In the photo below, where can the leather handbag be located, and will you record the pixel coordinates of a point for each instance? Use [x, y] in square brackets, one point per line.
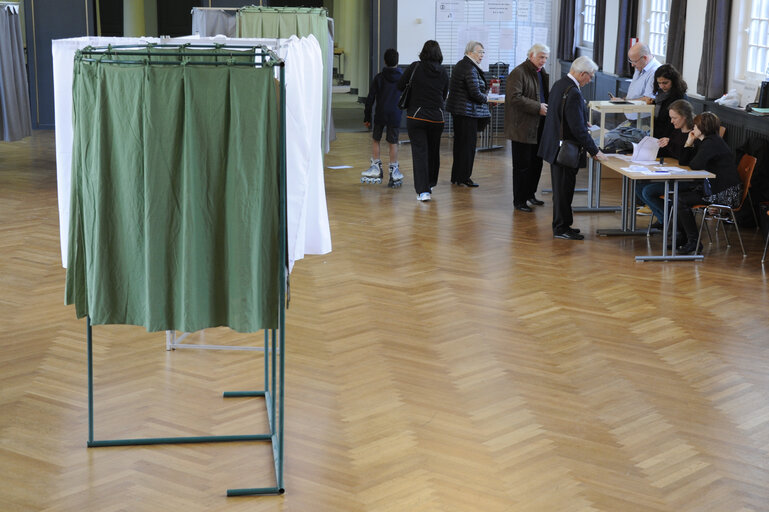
[403, 102]
[570, 151]
[569, 154]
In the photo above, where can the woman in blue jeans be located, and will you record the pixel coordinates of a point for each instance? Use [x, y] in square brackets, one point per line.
[681, 117]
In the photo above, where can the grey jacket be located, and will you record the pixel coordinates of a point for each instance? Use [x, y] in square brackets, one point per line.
[522, 102]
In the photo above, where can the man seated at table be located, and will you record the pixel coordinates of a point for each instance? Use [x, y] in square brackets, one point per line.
[641, 87]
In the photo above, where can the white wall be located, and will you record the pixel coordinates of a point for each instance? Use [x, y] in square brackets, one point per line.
[416, 24]
[695, 26]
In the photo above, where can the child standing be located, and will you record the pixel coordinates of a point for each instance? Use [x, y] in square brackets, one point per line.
[384, 93]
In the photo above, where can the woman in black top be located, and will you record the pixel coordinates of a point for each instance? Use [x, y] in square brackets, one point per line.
[424, 115]
[668, 87]
[682, 121]
[468, 104]
[681, 115]
[705, 149]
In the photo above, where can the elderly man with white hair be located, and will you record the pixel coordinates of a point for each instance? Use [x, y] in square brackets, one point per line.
[566, 121]
[526, 93]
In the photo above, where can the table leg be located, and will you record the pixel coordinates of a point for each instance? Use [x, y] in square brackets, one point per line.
[669, 221]
[594, 183]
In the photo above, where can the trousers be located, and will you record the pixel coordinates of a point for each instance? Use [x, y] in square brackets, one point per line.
[564, 179]
[425, 137]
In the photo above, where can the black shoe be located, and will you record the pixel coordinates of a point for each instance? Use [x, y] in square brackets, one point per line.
[536, 202]
[467, 183]
[689, 247]
[523, 207]
[569, 235]
[573, 230]
[656, 225]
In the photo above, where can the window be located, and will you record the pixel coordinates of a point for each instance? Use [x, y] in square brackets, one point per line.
[758, 38]
[586, 23]
[657, 21]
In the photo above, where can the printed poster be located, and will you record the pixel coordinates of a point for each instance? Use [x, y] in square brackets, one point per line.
[498, 10]
[450, 10]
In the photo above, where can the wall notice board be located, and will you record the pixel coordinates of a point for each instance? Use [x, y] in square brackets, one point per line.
[507, 28]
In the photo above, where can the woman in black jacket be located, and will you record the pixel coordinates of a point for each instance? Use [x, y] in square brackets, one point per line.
[468, 104]
[705, 149]
[668, 87]
[424, 115]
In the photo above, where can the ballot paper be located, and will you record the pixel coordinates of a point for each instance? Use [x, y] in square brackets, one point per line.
[645, 151]
[656, 171]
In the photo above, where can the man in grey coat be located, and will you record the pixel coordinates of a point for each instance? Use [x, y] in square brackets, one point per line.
[526, 94]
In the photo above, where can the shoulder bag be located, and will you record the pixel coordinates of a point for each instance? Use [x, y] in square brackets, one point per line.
[403, 102]
[570, 151]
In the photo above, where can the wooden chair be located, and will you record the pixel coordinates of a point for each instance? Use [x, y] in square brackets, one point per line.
[716, 211]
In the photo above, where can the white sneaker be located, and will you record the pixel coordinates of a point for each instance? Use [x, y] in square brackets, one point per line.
[424, 196]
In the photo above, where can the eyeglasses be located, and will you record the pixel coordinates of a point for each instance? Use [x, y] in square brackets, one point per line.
[634, 62]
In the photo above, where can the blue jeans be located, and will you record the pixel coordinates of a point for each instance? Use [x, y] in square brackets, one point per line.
[649, 193]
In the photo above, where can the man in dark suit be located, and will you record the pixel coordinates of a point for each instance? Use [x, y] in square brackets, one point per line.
[567, 111]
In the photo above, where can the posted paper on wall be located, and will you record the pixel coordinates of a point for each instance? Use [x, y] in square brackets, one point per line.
[450, 10]
[498, 10]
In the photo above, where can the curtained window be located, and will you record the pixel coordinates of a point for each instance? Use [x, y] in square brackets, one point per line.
[712, 79]
[584, 23]
[656, 24]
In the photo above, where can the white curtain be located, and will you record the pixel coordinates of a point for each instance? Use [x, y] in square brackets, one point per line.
[15, 117]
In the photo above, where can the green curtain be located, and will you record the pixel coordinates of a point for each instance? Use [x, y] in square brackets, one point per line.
[283, 22]
[174, 217]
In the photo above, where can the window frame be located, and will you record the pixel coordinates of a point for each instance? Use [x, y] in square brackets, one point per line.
[746, 41]
[579, 22]
[648, 11]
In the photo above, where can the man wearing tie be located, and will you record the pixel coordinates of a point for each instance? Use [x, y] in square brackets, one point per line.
[566, 116]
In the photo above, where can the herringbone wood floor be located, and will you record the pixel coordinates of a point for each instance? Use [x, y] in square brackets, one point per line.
[448, 356]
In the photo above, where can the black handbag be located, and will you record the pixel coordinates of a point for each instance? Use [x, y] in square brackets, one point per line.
[403, 102]
[570, 151]
[569, 154]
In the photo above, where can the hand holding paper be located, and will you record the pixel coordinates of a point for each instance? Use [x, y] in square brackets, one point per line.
[646, 150]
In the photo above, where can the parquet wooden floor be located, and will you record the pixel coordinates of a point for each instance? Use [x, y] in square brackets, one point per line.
[448, 356]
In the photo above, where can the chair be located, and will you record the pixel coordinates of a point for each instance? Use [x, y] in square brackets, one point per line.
[716, 211]
[766, 245]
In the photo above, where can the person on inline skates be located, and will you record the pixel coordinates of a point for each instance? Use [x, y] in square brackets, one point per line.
[383, 95]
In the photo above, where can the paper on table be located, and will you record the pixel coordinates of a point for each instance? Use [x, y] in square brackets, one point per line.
[645, 150]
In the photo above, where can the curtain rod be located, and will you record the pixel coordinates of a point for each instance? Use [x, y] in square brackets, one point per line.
[180, 63]
[235, 51]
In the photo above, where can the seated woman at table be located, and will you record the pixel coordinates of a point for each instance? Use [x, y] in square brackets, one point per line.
[681, 118]
[668, 88]
[706, 150]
